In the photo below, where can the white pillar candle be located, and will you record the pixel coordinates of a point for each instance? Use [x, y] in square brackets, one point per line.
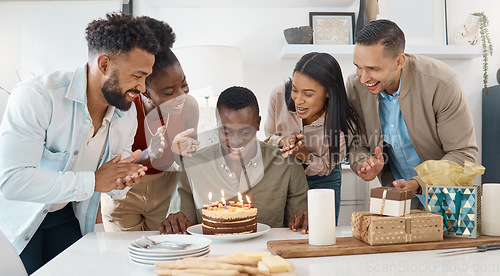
[321, 214]
[490, 207]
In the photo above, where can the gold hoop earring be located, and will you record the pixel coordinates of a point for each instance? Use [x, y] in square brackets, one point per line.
[147, 96]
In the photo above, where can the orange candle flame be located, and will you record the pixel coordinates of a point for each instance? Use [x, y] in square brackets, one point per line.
[248, 200]
[240, 198]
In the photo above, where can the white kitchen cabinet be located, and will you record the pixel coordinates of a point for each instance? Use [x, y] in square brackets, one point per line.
[355, 195]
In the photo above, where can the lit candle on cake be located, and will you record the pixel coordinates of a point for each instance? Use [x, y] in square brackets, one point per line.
[240, 198]
[222, 199]
[209, 198]
[248, 200]
[224, 202]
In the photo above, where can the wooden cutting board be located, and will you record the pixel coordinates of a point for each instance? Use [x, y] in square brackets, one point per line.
[352, 246]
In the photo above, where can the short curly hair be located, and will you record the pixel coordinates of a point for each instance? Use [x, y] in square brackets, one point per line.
[120, 33]
[236, 98]
[166, 37]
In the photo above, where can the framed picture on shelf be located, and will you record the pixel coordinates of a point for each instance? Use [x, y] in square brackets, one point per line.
[423, 21]
[332, 27]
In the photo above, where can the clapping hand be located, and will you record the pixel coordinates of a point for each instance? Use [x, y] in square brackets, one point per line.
[289, 144]
[185, 145]
[372, 166]
[117, 174]
[157, 143]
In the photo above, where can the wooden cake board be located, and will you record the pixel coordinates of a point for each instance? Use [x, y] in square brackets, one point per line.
[352, 246]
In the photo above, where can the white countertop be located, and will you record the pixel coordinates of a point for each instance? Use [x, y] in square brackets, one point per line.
[102, 253]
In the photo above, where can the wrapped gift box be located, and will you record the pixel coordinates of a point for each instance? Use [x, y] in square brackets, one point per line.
[418, 226]
[390, 201]
[459, 206]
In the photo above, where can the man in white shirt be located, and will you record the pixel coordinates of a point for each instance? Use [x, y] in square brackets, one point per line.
[63, 137]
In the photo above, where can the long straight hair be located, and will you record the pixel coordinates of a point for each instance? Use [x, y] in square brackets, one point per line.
[339, 114]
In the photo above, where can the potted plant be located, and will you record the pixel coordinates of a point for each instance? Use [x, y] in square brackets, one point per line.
[490, 114]
[1, 88]
[486, 43]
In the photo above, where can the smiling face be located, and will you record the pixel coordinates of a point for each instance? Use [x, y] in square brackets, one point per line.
[237, 128]
[126, 77]
[168, 87]
[309, 97]
[376, 69]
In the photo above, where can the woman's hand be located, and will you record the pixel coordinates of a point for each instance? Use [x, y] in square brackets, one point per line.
[157, 143]
[289, 144]
[301, 152]
[183, 144]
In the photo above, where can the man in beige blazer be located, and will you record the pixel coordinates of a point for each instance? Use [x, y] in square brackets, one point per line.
[411, 109]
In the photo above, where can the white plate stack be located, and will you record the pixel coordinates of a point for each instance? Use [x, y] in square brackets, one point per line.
[199, 246]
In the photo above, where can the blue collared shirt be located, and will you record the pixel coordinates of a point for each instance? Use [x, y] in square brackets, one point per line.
[42, 131]
[403, 157]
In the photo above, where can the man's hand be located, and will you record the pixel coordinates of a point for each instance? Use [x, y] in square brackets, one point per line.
[175, 224]
[135, 178]
[116, 174]
[288, 144]
[157, 143]
[411, 185]
[372, 166]
[299, 221]
[183, 144]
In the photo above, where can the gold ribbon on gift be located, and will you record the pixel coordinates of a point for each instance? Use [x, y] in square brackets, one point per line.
[408, 228]
[404, 202]
[384, 194]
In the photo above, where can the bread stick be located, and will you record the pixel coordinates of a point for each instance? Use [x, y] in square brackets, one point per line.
[195, 271]
[188, 264]
[230, 264]
[228, 260]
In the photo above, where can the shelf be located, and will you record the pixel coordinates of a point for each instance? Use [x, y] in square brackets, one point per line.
[295, 51]
[247, 3]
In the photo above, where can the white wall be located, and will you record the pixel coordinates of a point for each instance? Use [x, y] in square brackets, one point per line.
[471, 72]
[258, 31]
[40, 37]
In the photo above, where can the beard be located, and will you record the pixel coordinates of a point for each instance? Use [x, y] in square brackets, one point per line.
[113, 93]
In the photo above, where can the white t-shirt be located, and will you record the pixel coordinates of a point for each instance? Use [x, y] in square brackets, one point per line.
[91, 152]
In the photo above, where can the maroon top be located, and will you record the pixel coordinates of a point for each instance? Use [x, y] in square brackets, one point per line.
[175, 125]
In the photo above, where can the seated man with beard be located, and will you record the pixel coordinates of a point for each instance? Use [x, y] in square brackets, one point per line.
[277, 186]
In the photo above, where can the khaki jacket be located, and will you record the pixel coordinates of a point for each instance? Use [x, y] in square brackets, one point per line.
[434, 109]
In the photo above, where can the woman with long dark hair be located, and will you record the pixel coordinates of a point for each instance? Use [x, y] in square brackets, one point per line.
[310, 118]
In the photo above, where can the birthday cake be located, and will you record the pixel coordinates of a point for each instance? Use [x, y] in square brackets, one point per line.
[230, 219]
